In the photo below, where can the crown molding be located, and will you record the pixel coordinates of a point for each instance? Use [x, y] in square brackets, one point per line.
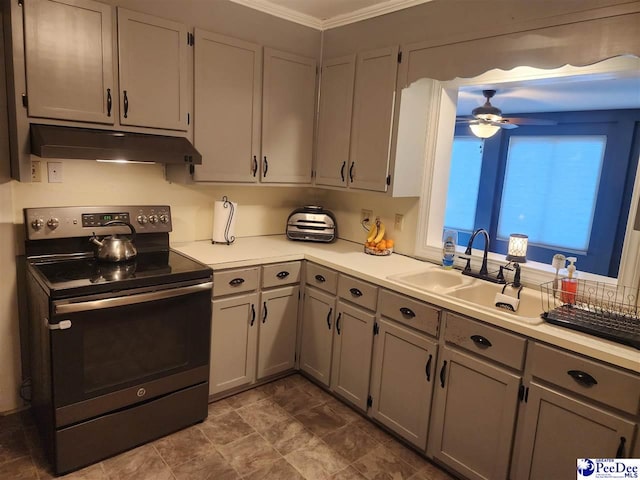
[339, 20]
[282, 12]
[370, 12]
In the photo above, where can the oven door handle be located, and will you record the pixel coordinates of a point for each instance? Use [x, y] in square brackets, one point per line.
[131, 299]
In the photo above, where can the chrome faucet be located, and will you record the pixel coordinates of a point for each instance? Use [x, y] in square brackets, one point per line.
[483, 273]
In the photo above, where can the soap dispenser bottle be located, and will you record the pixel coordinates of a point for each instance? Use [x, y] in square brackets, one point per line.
[570, 283]
[449, 242]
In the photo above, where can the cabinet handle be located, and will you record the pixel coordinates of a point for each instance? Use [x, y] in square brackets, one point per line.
[266, 167]
[407, 312]
[126, 104]
[481, 341]
[320, 278]
[283, 274]
[443, 373]
[427, 368]
[264, 315]
[355, 292]
[109, 102]
[253, 314]
[255, 166]
[329, 318]
[338, 323]
[620, 451]
[582, 378]
[344, 164]
[236, 281]
[351, 171]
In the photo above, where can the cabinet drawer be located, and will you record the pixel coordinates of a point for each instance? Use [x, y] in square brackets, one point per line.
[321, 277]
[280, 274]
[614, 387]
[358, 292]
[410, 312]
[238, 280]
[489, 342]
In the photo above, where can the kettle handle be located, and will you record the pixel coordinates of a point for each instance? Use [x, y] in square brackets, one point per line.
[121, 222]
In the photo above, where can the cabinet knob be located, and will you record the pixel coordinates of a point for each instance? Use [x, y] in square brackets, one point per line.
[264, 312]
[329, 318]
[126, 104]
[338, 323]
[282, 275]
[407, 312]
[109, 102]
[427, 368]
[236, 281]
[320, 278]
[344, 164]
[253, 314]
[583, 378]
[355, 292]
[481, 341]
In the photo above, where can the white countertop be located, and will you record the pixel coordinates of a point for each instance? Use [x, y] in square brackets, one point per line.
[349, 258]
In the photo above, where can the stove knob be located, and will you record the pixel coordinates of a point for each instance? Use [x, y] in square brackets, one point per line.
[37, 224]
[53, 223]
[142, 219]
[153, 219]
[164, 218]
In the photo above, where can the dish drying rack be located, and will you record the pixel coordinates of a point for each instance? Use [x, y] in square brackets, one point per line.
[600, 309]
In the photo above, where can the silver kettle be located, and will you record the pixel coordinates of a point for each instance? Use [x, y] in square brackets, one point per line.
[115, 248]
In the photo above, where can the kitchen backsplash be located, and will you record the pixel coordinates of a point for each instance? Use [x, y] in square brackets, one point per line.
[261, 210]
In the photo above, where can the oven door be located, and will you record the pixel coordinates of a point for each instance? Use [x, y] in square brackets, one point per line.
[114, 352]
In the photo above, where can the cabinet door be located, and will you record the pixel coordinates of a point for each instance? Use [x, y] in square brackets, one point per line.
[69, 60]
[352, 345]
[557, 430]
[287, 118]
[153, 71]
[228, 102]
[234, 333]
[334, 121]
[372, 118]
[317, 334]
[277, 334]
[474, 416]
[402, 381]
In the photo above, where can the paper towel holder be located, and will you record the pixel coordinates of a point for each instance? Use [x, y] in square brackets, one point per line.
[229, 239]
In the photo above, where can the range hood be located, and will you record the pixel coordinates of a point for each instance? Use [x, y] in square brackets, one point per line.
[53, 141]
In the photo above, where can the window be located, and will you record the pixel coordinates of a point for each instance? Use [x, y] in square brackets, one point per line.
[568, 186]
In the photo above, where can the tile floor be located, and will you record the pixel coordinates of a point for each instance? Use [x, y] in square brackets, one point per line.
[287, 429]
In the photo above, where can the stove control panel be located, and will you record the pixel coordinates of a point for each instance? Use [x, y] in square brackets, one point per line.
[68, 222]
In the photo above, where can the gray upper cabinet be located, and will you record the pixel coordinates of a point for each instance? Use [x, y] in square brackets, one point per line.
[69, 60]
[228, 103]
[154, 90]
[334, 121]
[287, 117]
[372, 118]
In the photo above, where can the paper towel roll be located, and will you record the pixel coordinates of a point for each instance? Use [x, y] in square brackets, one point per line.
[224, 221]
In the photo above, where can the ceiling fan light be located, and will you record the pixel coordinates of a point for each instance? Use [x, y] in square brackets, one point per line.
[484, 130]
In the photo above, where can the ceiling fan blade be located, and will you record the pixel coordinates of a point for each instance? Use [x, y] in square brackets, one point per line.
[530, 121]
[505, 125]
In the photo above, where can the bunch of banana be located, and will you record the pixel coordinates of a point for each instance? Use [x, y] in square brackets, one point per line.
[375, 237]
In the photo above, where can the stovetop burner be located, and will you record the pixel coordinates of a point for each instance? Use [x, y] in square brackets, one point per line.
[70, 277]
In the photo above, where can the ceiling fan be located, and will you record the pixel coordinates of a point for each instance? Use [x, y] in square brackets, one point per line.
[485, 121]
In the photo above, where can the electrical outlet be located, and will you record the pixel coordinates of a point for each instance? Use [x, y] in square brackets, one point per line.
[366, 215]
[36, 171]
[55, 172]
[399, 222]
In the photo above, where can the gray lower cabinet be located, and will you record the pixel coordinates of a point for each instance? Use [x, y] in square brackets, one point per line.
[317, 334]
[403, 375]
[558, 429]
[234, 332]
[352, 345]
[277, 331]
[474, 416]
